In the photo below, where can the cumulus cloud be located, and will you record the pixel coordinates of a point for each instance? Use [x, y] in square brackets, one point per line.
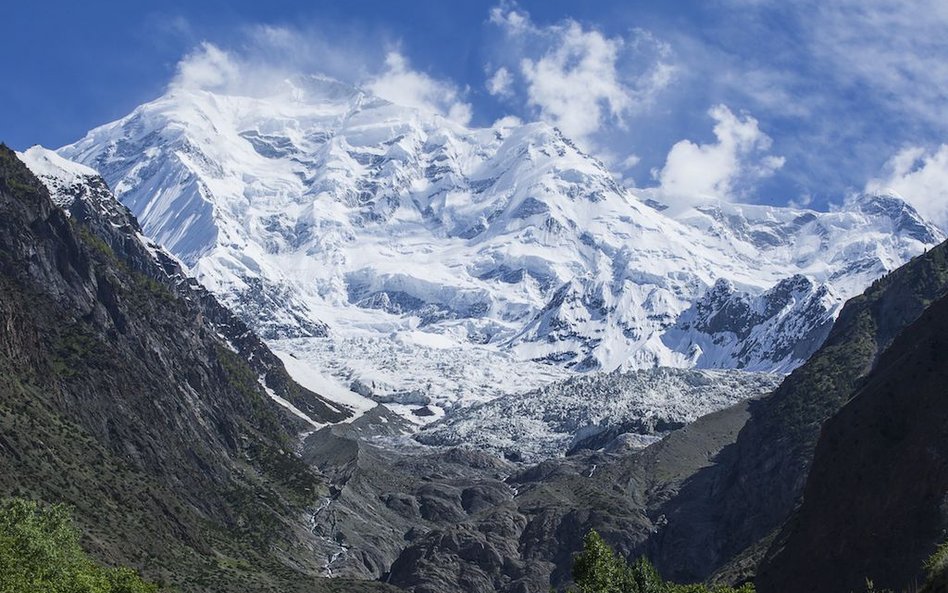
[576, 82]
[264, 56]
[404, 86]
[921, 178]
[720, 170]
[508, 121]
[630, 161]
[511, 19]
[576, 77]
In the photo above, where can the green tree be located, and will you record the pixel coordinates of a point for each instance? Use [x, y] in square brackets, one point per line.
[40, 553]
[598, 569]
[645, 579]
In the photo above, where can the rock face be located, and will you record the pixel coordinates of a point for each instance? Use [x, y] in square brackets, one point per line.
[728, 328]
[320, 208]
[86, 198]
[874, 503]
[129, 394]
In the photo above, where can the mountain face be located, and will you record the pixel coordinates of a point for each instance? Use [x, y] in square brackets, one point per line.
[705, 502]
[432, 267]
[736, 507]
[874, 503]
[321, 210]
[728, 328]
[132, 395]
[84, 196]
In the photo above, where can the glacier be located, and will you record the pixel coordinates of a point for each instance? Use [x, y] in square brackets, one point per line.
[595, 410]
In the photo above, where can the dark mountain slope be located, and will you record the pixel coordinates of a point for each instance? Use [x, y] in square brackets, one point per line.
[730, 509]
[876, 501]
[122, 394]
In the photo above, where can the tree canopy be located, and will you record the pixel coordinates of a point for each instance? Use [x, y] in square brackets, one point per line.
[598, 569]
[40, 553]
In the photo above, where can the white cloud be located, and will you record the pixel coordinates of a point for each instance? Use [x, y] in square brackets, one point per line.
[697, 172]
[630, 161]
[267, 56]
[882, 52]
[508, 121]
[921, 178]
[576, 77]
[510, 19]
[208, 67]
[576, 84]
[802, 201]
[404, 86]
[500, 83]
[270, 55]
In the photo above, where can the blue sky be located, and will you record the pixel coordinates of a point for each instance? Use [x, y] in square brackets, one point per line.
[747, 100]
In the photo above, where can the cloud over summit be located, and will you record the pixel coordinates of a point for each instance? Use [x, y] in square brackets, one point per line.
[719, 170]
[576, 77]
[270, 55]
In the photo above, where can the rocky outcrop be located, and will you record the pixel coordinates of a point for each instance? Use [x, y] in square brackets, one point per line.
[778, 329]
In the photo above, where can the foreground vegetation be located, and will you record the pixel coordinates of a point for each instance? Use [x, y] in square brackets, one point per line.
[598, 569]
[40, 553]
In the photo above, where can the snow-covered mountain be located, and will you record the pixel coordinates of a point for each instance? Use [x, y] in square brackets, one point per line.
[321, 210]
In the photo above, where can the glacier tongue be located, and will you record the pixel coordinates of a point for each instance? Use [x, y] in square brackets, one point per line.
[323, 213]
[591, 411]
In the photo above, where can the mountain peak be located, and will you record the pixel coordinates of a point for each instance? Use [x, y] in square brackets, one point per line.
[905, 218]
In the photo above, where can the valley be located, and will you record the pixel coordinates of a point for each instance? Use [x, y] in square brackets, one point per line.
[312, 336]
